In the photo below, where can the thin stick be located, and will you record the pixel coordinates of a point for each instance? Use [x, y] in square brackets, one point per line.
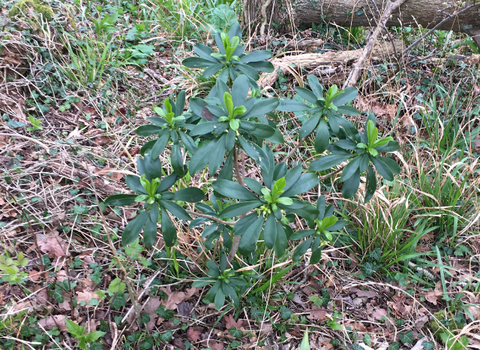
[130, 290]
[27, 138]
[367, 51]
[210, 217]
[238, 175]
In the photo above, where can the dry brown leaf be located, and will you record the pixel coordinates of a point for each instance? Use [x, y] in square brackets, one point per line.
[317, 314]
[86, 296]
[54, 321]
[25, 305]
[379, 313]
[432, 296]
[365, 293]
[231, 323]
[193, 335]
[42, 296]
[150, 306]
[215, 345]
[174, 298]
[53, 245]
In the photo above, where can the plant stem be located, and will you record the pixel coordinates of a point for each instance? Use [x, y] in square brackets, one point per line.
[130, 289]
[210, 217]
[238, 175]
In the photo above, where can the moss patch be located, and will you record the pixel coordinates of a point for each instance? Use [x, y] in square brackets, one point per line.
[21, 8]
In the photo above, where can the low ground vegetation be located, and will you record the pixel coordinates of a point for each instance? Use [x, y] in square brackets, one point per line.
[154, 195]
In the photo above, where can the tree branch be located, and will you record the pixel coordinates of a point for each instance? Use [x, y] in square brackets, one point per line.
[367, 51]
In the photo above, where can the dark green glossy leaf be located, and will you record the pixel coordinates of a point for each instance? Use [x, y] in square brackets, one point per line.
[256, 56]
[270, 231]
[371, 185]
[133, 182]
[177, 160]
[392, 164]
[203, 128]
[348, 95]
[305, 183]
[167, 182]
[175, 209]
[363, 163]
[205, 52]
[262, 131]
[350, 186]
[292, 106]
[189, 194]
[392, 146]
[292, 176]
[262, 107]
[347, 110]
[238, 209]
[120, 199]
[213, 69]
[382, 168]
[168, 230]
[249, 239]
[315, 86]
[306, 95]
[240, 90]
[244, 223]
[328, 162]
[217, 155]
[350, 168]
[152, 168]
[262, 66]
[251, 149]
[301, 249]
[158, 121]
[180, 105]
[281, 241]
[188, 142]
[196, 62]
[134, 227]
[147, 130]
[150, 229]
[254, 185]
[160, 145]
[322, 137]
[231, 189]
[227, 170]
[316, 256]
[301, 234]
[309, 126]
[248, 71]
[200, 158]
[346, 144]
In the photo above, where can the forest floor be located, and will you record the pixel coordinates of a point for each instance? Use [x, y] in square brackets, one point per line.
[74, 89]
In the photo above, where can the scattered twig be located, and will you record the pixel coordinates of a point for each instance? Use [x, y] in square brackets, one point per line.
[27, 138]
[454, 14]
[130, 290]
[367, 51]
[212, 218]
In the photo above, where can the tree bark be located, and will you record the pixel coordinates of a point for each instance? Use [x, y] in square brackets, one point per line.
[287, 15]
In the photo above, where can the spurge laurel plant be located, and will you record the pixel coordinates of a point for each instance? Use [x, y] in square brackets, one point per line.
[242, 215]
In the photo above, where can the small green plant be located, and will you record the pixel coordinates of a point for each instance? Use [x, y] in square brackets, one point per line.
[305, 344]
[251, 216]
[10, 268]
[231, 61]
[79, 333]
[224, 281]
[36, 124]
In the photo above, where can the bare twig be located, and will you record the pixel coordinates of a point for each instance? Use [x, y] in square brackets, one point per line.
[454, 14]
[130, 290]
[367, 51]
[212, 218]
